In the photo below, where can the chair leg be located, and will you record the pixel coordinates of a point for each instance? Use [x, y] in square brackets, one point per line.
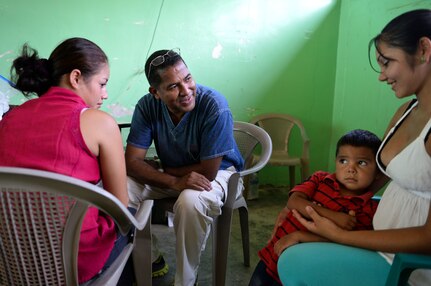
[142, 256]
[292, 176]
[403, 265]
[404, 276]
[243, 218]
[221, 235]
[304, 171]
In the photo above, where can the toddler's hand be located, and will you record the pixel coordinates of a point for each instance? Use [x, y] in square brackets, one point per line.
[346, 221]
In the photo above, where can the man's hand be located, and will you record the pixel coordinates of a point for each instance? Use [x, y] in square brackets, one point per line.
[193, 181]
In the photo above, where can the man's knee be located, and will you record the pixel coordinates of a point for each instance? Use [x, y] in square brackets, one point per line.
[186, 202]
[197, 203]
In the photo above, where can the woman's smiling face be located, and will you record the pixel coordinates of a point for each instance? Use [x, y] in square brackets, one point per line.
[399, 70]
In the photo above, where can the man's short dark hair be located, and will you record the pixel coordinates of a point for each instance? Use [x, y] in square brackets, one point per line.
[359, 138]
[170, 58]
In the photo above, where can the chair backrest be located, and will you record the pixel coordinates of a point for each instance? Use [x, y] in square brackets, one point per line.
[40, 220]
[248, 136]
[279, 127]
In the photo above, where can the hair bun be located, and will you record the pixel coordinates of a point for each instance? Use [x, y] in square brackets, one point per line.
[30, 73]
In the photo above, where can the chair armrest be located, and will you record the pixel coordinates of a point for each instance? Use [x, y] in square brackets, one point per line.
[263, 157]
[121, 215]
[143, 214]
[403, 265]
[114, 270]
[124, 218]
[232, 186]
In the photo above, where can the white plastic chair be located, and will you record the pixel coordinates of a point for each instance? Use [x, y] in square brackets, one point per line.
[247, 137]
[40, 220]
[279, 127]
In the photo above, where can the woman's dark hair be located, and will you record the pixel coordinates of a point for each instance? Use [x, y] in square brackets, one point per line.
[404, 31]
[31, 74]
[167, 58]
[359, 138]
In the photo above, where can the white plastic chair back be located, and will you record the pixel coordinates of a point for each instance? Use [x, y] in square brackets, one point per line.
[40, 220]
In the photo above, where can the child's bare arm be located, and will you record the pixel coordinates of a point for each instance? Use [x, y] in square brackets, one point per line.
[299, 201]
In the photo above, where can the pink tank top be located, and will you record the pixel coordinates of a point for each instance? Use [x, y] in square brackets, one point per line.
[44, 134]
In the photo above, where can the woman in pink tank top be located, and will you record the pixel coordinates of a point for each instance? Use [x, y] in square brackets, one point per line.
[62, 130]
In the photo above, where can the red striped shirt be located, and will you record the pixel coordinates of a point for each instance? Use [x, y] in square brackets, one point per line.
[323, 189]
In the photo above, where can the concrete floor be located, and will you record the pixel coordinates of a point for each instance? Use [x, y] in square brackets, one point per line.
[262, 215]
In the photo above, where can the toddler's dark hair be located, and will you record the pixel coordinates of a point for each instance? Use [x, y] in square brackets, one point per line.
[360, 138]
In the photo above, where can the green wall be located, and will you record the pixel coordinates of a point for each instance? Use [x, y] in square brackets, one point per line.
[264, 56]
[306, 58]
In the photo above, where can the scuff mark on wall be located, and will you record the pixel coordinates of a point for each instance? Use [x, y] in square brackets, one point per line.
[6, 53]
[251, 111]
[414, 4]
[117, 110]
[217, 51]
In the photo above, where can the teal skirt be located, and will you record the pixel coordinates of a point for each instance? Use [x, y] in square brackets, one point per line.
[330, 264]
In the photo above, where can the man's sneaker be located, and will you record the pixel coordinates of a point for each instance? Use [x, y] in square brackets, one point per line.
[159, 267]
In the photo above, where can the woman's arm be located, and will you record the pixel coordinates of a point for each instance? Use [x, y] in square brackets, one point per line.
[412, 239]
[295, 238]
[103, 138]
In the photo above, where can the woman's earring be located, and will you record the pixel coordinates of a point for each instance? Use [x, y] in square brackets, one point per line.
[422, 59]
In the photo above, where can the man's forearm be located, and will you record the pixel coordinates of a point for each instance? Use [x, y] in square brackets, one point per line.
[144, 173]
[184, 170]
[205, 168]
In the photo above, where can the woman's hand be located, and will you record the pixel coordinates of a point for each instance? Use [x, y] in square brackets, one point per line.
[318, 224]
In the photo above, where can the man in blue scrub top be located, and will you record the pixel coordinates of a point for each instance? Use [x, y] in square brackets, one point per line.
[192, 129]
